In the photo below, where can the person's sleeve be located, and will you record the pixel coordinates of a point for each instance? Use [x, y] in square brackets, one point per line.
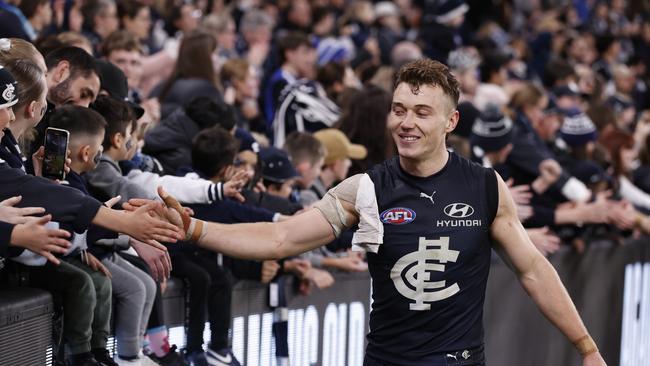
[5, 237]
[246, 213]
[189, 190]
[526, 156]
[65, 204]
[542, 216]
[111, 183]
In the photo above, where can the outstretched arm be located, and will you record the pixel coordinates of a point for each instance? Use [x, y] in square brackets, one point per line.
[260, 241]
[538, 277]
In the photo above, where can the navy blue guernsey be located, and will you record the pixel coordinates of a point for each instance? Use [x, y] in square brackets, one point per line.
[430, 273]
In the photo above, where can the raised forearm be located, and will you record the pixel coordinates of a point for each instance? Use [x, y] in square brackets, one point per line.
[112, 220]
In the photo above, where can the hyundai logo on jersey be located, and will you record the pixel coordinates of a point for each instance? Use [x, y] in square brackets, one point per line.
[458, 210]
[398, 216]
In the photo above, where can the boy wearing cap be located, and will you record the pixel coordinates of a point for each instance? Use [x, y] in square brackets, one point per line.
[278, 174]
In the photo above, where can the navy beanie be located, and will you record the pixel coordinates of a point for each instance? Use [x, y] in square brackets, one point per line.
[577, 128]
[492, 130]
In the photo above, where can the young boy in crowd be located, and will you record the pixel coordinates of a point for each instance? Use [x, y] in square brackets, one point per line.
[134, 289]
[213, 153]
[307, 155]
[107, 180]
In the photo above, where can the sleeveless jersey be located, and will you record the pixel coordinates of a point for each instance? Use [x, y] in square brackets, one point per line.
[430, 273]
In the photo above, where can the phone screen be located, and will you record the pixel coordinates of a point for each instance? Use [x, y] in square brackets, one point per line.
[56, 147]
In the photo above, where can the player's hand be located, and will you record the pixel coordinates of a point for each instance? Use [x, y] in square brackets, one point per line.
[94, 263]
[17, 215]
[156, 257]
[593, 359]
[269, 270]
[233, 187]
[149, 222]
[34, 236]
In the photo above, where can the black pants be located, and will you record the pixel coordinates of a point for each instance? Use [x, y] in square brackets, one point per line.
[211, 285]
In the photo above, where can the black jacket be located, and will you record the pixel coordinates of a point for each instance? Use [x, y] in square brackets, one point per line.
[171, 141]
[70, 207]
[528, 152]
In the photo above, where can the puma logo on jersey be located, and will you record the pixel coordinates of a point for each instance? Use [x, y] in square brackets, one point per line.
[429, 197]
[411, 274]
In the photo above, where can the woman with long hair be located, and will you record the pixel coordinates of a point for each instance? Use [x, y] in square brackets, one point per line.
[193, 75]
[621, 148]
[364, 122]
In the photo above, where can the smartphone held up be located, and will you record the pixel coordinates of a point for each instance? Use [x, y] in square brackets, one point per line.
[56, 148]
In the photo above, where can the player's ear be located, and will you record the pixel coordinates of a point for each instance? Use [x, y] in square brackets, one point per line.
[452, 122]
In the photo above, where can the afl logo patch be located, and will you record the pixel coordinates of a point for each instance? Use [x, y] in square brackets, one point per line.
[459, 210]
[397, 216]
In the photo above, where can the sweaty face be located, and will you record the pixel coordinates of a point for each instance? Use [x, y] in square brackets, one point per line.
[80, 91]
[419, 120]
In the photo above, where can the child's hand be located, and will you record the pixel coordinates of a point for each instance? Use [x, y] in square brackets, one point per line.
[232, 188]
[17, 215]
[33, 235]
[94, 263]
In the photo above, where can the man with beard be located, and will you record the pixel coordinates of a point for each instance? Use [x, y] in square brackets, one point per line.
[72, 78]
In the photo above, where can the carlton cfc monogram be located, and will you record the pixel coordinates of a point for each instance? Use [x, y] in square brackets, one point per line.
[412, 273]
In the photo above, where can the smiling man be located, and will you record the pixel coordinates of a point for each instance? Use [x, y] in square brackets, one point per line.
[428, 253]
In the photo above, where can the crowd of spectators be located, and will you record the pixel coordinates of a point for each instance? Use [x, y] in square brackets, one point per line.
[250, 110]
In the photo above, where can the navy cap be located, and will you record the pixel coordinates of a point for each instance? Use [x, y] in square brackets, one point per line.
[619, 103]
[114, 82]
[492, 130]
[246, 140]
[577, 128]
[450, 9]
[276, 165]
[589, 172]
[8, 89]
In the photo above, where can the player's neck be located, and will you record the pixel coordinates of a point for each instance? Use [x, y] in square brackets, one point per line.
[425, 167]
